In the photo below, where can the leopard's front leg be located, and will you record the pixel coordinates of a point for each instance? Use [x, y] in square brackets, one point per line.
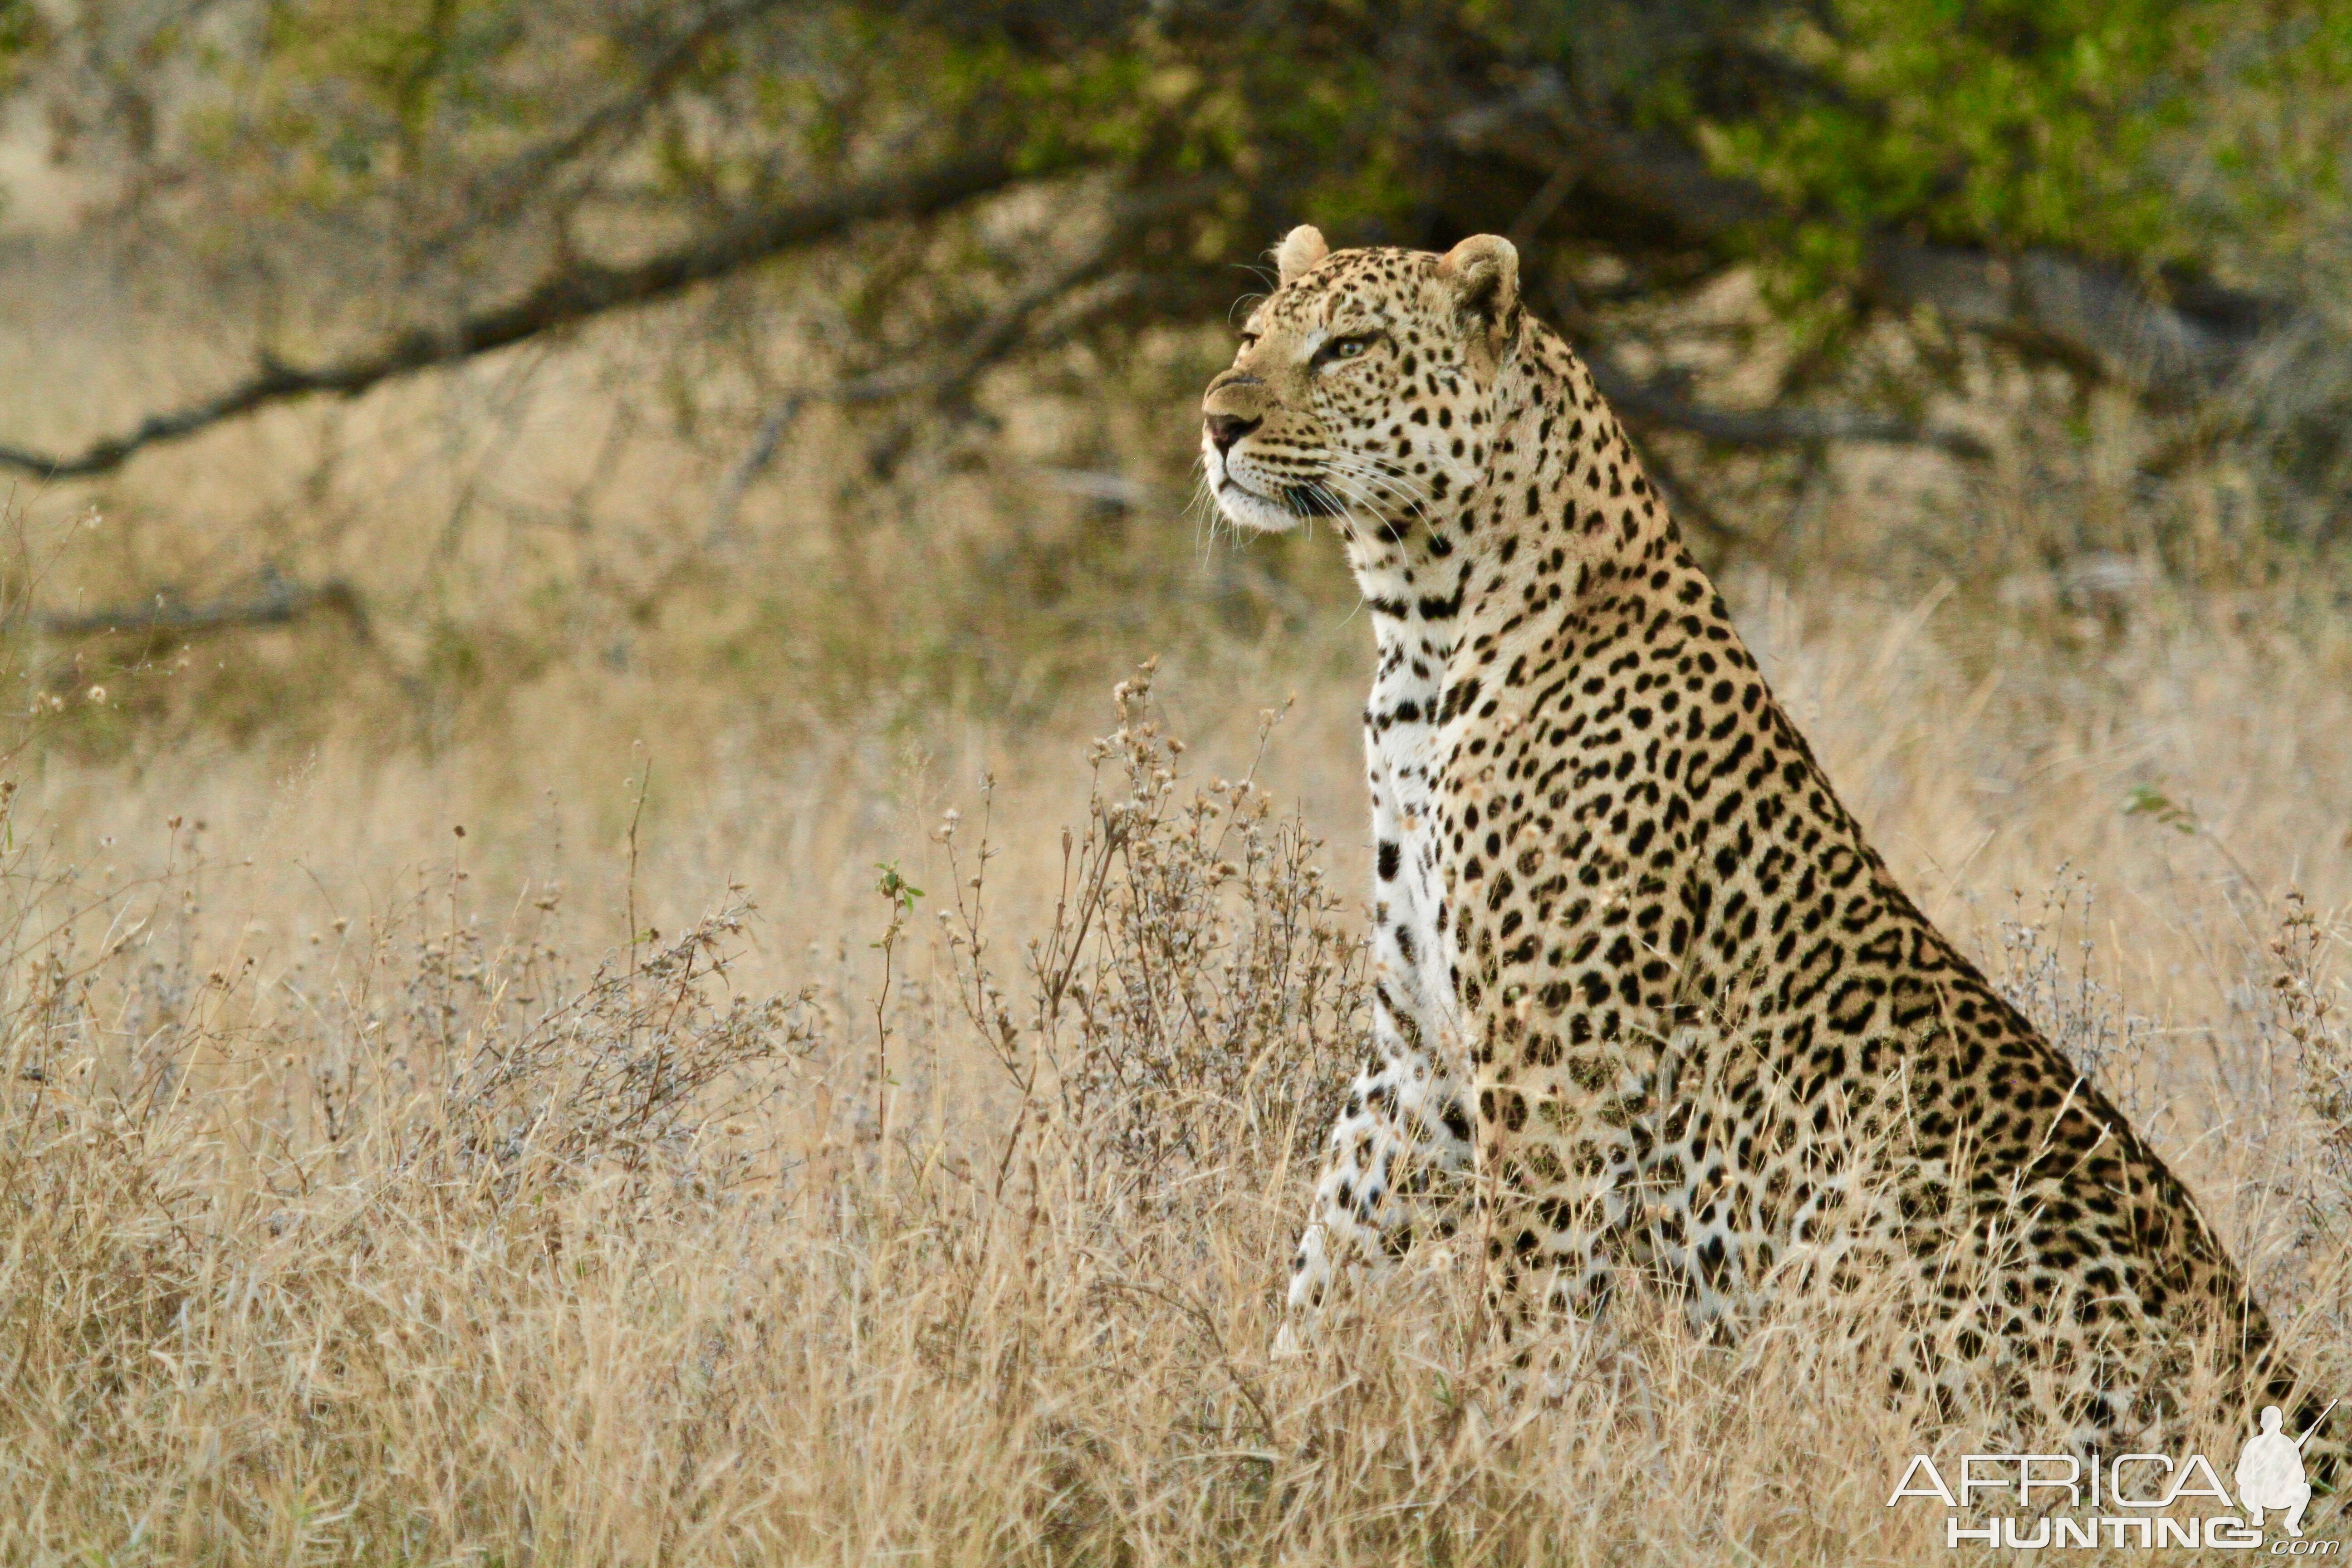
[1391, 1175]
[1393, 1170]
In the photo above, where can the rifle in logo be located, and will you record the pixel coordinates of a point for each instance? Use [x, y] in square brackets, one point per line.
[2270, 1470]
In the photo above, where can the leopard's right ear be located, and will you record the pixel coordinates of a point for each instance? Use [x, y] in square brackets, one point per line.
[1300, 249]
[1483, 271]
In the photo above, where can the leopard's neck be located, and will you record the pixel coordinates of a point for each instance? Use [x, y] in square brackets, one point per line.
[1562, 512]
[1563, 521]
[1410, 564]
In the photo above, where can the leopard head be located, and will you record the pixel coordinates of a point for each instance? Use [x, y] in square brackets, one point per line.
[1364, 387]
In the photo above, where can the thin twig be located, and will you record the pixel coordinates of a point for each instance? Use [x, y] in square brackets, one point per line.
[504, 190]
[279, 603]
[1000, 335]
[636, 815]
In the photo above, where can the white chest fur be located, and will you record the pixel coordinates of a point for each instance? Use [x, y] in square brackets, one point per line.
[1401, 759]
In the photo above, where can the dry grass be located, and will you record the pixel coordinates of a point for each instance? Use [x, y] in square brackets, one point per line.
[585, 1188]
[463, 1233]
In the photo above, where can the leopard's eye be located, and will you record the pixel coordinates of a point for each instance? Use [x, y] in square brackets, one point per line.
[1354, 347]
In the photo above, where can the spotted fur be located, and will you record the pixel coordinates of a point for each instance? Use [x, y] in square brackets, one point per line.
[1640, 980]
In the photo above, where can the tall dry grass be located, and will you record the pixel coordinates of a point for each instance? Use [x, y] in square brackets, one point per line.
[627, 1179]
[497, 1222]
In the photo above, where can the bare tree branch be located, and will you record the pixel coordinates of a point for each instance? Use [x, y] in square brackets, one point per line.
[1004, 332]
[573, 294]
[1651, 403]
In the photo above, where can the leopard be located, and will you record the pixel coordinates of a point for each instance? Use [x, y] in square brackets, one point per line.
[1645, 1001]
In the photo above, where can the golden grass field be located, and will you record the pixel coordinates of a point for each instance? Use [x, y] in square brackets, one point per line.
[625, 1178]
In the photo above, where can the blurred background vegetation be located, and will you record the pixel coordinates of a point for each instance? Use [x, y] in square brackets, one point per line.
[523, 384]
[823, 356]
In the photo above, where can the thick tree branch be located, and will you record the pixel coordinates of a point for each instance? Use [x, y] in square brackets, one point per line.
[2171, 350]
[575, 293]
[1648, 405]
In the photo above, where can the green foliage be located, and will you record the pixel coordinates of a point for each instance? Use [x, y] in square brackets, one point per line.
[897, 891]
[23, 37]
[21, 30]
[338, 102]
[467, 139]
[2012, 123]
[2146, 800]
[2016, 119]
[2083, 124]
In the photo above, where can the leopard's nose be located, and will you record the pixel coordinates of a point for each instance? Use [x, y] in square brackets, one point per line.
[1226, 429]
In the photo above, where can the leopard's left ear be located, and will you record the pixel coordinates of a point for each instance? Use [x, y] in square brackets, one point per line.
[1484, 272]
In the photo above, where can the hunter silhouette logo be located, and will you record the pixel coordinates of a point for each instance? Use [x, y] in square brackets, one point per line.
[2270, 1471]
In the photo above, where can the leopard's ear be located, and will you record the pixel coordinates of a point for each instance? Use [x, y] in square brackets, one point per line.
[1300, 249]
[1483, 271]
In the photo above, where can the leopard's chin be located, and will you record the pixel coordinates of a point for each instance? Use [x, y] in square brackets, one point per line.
[1244, 508]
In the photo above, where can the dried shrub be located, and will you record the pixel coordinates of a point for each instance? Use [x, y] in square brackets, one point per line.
[626, 1069]
[2064, 998]
[2307, 1019]
[1199, 996]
